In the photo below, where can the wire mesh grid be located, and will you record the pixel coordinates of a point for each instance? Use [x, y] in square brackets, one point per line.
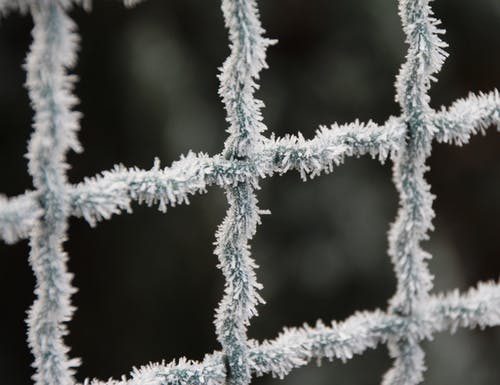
[413, 314]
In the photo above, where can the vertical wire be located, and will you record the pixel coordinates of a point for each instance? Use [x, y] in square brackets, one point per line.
[237, 87]
[425, 57]
[55, 124]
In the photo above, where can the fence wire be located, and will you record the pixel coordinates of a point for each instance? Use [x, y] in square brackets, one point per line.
[413, 314]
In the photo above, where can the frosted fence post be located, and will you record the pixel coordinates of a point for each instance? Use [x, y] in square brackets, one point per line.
[53, 51]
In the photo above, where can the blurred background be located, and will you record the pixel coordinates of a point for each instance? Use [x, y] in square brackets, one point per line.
[148, 282]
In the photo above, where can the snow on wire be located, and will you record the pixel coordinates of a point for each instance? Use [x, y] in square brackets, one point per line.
[413, 313]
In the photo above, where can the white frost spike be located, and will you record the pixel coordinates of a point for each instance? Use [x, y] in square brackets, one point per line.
[7, 6]
[247, 58]
[18, 216]
[408, 366]
[478, 307]
[467, 117]
[53, 51]
[425, 57]
[237, 85]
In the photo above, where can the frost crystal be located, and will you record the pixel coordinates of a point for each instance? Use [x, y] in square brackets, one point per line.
[413, 315]
[55, 124]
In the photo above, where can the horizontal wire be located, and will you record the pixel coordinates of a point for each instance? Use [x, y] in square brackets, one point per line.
[113, 191]
[296, 347]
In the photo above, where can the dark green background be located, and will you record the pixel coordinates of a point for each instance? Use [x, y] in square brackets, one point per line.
[148, 282]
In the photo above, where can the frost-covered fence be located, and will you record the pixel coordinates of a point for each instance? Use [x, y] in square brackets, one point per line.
[414, 314]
